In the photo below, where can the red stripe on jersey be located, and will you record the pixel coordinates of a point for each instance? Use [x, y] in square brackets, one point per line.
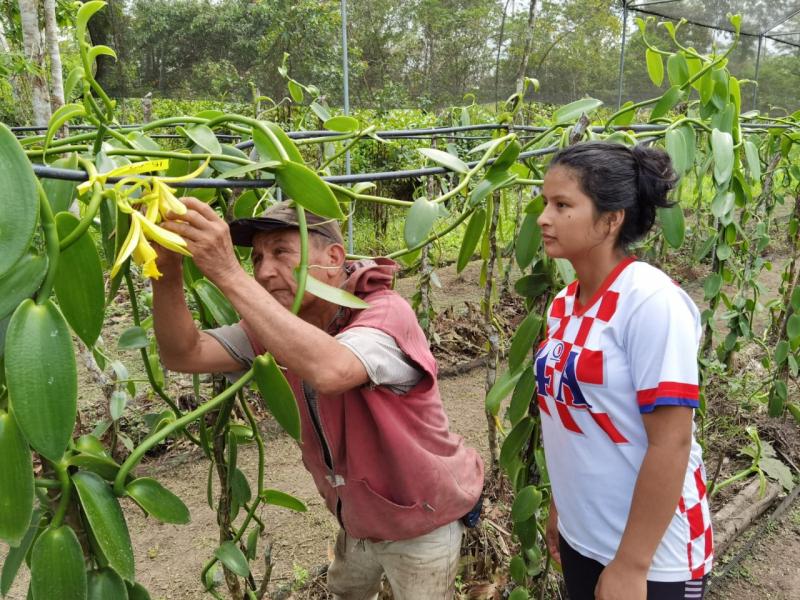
[700, 483]
[709, 543]
[682, 505]
[583, 331]
[696, 525]
[558, 309]
[668, 389]
[578, 309]
[590, 367]
[608, 306]
[607, 425]
[543, 405]
[562, 360]
[699, 572]
[572, 288]
[566, 418]
[562, 328]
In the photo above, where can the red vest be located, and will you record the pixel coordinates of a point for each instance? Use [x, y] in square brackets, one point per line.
[397, 471]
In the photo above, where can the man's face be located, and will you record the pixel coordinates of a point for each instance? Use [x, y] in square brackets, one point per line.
[275, 256]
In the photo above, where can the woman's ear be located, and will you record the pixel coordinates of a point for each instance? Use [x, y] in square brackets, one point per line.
[615, 219]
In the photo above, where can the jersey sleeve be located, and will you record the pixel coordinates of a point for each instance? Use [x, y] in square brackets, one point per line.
[661, 344]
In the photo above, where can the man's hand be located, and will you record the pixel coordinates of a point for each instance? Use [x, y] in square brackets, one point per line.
[208, 239]
[621, 582]
[551, 533]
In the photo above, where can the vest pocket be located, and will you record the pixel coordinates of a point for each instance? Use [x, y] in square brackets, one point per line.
[367, 514]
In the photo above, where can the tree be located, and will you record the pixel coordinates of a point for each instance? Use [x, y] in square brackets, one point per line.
[54, 54]
[34, 52]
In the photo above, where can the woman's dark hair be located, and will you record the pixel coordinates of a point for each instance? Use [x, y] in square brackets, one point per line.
[635, 179]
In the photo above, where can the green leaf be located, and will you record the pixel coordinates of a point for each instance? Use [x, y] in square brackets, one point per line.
[240, 488]
[102, 466]
[133, 338]
[117, 404]
[342, 123]
[229, 554]
[528, 242]
[419, 221]
[107, 522]
[655, 67]
[267, 148]
[21, 282]
[43, 393]
[712, 286]
[724, 251]
[79, 282]
[445, 159]
[16, 482]
[522, 342]
[514, 443]
[74, 77]
[277, 394]
[670, 98]
[795, 300]
[501, 389]
[323, 114]
[61, 192]
[218, 305]
[519, 593]
[781, 352]
[532, 286]
[526, 503]
[793, 327]
[203, 136]
[522, 396]
[471, 238]
[16, 554]
[572, 111]
[57, 566]
[307, 189]
[276, 498]
[722, 204]
[295, 91]
[517, 570]
[85, 13]
[491, 182]
[673, 225]
[105, 584]
[753, 160]
[722, 148]
[19, 201]
[677, 69]
[60, 117]
[778, 471]
[101, 50]
[332, 294]
[506, 158]
[252, 543]
[157, 501]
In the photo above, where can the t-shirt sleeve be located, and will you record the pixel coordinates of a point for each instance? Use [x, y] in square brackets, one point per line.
[386, 364]
[661, 343]
[235, 341]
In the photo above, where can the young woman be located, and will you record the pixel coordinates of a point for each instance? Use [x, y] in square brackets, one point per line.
[617, 385]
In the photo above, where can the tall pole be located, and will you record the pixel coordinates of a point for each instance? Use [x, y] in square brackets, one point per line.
[621, 76]
[758, 68]
[346, 94]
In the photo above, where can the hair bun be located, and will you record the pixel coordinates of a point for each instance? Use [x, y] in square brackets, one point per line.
[656, 176]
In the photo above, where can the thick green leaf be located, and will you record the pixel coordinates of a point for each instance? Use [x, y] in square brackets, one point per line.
[233, 558]
[61, 192]
[419, 221]
[722, 148]
[501, 389]
[514, 443]
[21, 282]
[522, 396]
[277, 394]
[60, 117]
[625, 116]
[102, 465]
[506, 158]
[79, 282]
[218, 305]
[308, 190]
[753, 161]
[712, 286]
[655, 67]
[203, 136]
[529, 240]
[517, 570]
[16, 554]
[572, 111]
[526, 503]
[471, 238]
[533, 285]
[43, 393]
[133, 338]
[722, 204]
[266, 147]
[677, 69]
[781, 352]
[445, 159]
[342, 123]
[522, 341]
[16, 482]
[793, 327]
[519, 593]
[106, 521]
[295, 90]
[670, 98]
[673, 225]
[277, 498]
[676, 148]
[157, 501]
[85, 13]
[19, 201]
[57, 567]
[137, 592]
[224, 165]
[332, 294]
[491, 182]
[106, 584]
[240, 488]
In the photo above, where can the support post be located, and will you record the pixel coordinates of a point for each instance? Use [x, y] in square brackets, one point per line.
[346, 94]
[621, 76]
[758, 68]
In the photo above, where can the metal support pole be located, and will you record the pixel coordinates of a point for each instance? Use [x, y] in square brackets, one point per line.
[346, 93]
[621, 76]
[758, 68]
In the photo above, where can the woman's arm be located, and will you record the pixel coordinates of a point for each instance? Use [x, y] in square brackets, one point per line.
[655, 498]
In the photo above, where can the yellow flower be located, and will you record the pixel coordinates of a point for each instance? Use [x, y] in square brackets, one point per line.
[137, 244]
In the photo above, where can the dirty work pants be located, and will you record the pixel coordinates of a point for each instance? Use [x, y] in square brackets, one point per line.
[422, 567]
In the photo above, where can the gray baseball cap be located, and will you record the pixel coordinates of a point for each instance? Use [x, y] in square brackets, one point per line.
[282, 215]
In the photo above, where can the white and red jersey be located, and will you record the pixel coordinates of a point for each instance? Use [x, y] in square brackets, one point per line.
[632, 348]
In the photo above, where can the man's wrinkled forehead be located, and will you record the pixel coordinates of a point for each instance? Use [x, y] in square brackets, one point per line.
[267, 239]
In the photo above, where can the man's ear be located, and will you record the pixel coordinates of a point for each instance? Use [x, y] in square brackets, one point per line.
[335, 255]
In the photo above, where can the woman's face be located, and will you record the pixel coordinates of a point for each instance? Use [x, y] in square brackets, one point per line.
[570, 225]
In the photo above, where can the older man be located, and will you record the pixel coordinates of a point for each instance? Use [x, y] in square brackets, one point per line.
[375, 436]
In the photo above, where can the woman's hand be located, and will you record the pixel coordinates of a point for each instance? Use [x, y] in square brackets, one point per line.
[621, 582]
[551, 533]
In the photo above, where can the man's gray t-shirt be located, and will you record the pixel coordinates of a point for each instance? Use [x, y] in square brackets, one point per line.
[386, 364]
